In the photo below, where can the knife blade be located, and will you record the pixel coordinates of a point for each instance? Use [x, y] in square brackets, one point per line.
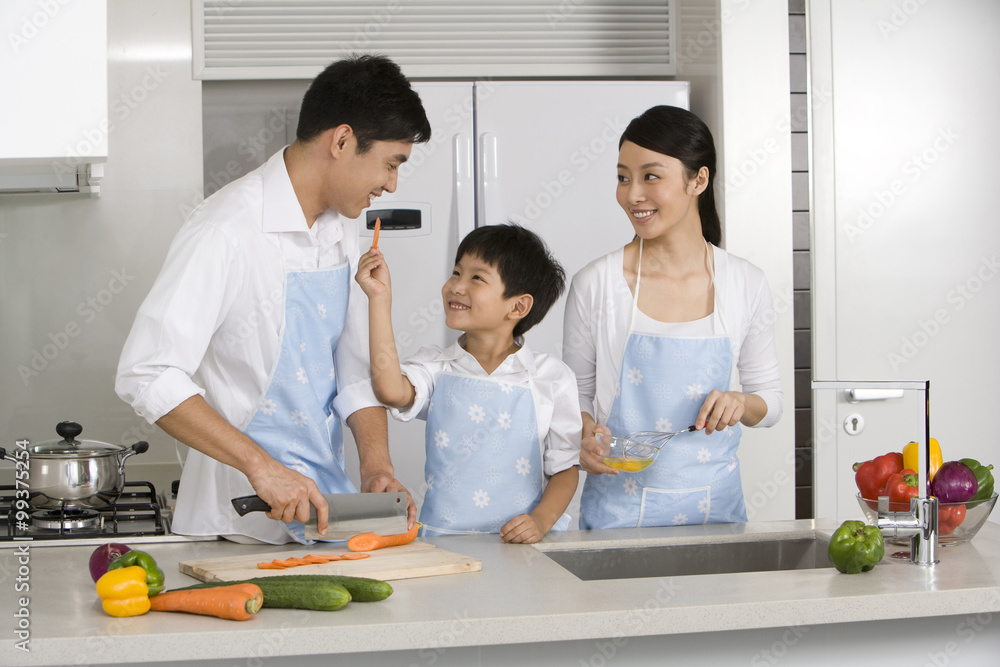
[350, 514]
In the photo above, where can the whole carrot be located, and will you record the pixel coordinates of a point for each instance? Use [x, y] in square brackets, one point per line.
[378, 226]
[238, 602]
[372, 541]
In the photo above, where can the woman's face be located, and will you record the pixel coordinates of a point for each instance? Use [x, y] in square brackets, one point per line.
[655, 192]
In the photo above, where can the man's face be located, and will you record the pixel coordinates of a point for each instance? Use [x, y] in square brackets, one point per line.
[367, 175]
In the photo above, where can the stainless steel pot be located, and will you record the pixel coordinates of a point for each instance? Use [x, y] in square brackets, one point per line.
[75, 473]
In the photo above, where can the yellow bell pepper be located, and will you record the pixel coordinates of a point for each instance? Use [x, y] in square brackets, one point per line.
[912, 451]
[124, 591]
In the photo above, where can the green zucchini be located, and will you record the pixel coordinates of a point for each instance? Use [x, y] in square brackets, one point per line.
[283, 594]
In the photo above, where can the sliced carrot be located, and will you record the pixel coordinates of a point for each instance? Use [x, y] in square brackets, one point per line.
[237, 602]
[311, 559]
[372, 541]
[378, 226]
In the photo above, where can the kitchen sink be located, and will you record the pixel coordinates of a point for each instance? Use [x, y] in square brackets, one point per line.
[677, 560]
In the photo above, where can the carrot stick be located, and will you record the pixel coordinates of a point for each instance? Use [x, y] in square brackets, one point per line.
[232, 602]
[378, 226]
[312, 559]
[371, 541]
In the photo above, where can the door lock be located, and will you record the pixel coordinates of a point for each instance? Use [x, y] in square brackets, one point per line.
[854, 424]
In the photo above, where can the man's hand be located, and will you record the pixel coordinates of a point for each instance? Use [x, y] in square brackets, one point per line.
[290, 493]
[382, 482]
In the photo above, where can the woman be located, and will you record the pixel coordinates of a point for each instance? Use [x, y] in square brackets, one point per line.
[668, 332]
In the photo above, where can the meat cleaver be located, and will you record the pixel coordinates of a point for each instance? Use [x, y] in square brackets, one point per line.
[349, 514]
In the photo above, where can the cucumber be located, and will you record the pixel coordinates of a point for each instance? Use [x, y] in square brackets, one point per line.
[283, 594]
[360, 589]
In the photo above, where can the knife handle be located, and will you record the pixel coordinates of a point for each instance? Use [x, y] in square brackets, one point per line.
[246, 504]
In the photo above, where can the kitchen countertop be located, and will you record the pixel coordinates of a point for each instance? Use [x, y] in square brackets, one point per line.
[520, 597]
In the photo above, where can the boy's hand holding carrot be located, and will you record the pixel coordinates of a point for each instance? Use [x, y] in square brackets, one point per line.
[373, 275]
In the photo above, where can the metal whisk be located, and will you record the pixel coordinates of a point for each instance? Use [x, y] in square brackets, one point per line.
[656, 439]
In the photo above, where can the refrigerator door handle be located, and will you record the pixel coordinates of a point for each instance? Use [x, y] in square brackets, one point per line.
[489, 198]
[465, 189]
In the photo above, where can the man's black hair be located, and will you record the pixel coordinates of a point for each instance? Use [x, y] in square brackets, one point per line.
[370, 94]
[524, 264]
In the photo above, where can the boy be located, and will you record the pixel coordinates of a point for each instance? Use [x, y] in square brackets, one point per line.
[489, 401]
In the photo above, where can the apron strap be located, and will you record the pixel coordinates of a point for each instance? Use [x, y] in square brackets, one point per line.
[710, 267]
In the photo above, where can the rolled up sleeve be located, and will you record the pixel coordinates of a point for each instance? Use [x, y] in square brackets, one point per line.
[176, 322]
[422, 370]
[562, 443]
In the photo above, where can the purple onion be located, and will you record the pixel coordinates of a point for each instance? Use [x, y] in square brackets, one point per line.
[954, 482]
[103, 557]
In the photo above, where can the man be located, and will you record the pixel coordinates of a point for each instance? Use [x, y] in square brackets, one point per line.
[253, 341]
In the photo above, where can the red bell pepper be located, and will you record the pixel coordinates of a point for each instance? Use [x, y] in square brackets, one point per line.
[872, 476]
[950, 518]
[900, 488]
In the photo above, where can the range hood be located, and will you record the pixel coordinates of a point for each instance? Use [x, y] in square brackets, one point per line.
[20, 179]
[54, 72]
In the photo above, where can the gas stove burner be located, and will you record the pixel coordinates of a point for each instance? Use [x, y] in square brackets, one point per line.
[66, 519]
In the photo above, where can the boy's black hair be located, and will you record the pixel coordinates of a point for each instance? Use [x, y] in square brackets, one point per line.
[524, 264]
[370, 94]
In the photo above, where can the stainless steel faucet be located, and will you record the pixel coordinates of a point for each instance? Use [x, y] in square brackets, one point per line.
[920, 524]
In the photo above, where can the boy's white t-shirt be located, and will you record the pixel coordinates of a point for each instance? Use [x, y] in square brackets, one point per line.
[556, 396]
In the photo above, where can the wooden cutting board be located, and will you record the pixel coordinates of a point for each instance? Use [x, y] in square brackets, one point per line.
[416, 559]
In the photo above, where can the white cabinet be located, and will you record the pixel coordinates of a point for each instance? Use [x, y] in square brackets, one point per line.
[54, 74]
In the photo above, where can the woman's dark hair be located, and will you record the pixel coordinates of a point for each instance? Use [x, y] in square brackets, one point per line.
[370, 94]
[679, 133]
[524, 264]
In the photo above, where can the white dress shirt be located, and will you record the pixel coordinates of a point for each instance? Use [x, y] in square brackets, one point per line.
[212, 321]
[596, 328]
[554, 390]
[212, 325]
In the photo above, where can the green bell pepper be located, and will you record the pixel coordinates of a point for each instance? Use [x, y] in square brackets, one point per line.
[154, 575]
[855, 547]
[983, 476]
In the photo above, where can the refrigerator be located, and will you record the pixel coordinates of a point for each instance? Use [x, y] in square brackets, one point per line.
[542, 154]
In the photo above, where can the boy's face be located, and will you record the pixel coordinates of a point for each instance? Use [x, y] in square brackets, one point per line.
[473, 298]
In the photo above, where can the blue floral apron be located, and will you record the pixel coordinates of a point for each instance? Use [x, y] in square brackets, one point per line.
[295, 421]
[662, 385]
[484, 462]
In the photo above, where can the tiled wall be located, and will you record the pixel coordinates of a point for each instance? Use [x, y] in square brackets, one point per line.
[800, 248]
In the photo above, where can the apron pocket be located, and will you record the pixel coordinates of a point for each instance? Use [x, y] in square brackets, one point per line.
[675, 507]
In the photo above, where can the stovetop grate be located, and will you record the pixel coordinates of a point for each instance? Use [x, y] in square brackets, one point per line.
[135, 514]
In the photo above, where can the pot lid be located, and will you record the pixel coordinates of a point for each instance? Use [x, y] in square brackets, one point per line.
[70, 446]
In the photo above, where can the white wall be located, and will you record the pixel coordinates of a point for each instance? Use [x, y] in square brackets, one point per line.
[87, 263]
[755, 161]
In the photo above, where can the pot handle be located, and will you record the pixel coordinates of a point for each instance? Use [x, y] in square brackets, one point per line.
[137, 448]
